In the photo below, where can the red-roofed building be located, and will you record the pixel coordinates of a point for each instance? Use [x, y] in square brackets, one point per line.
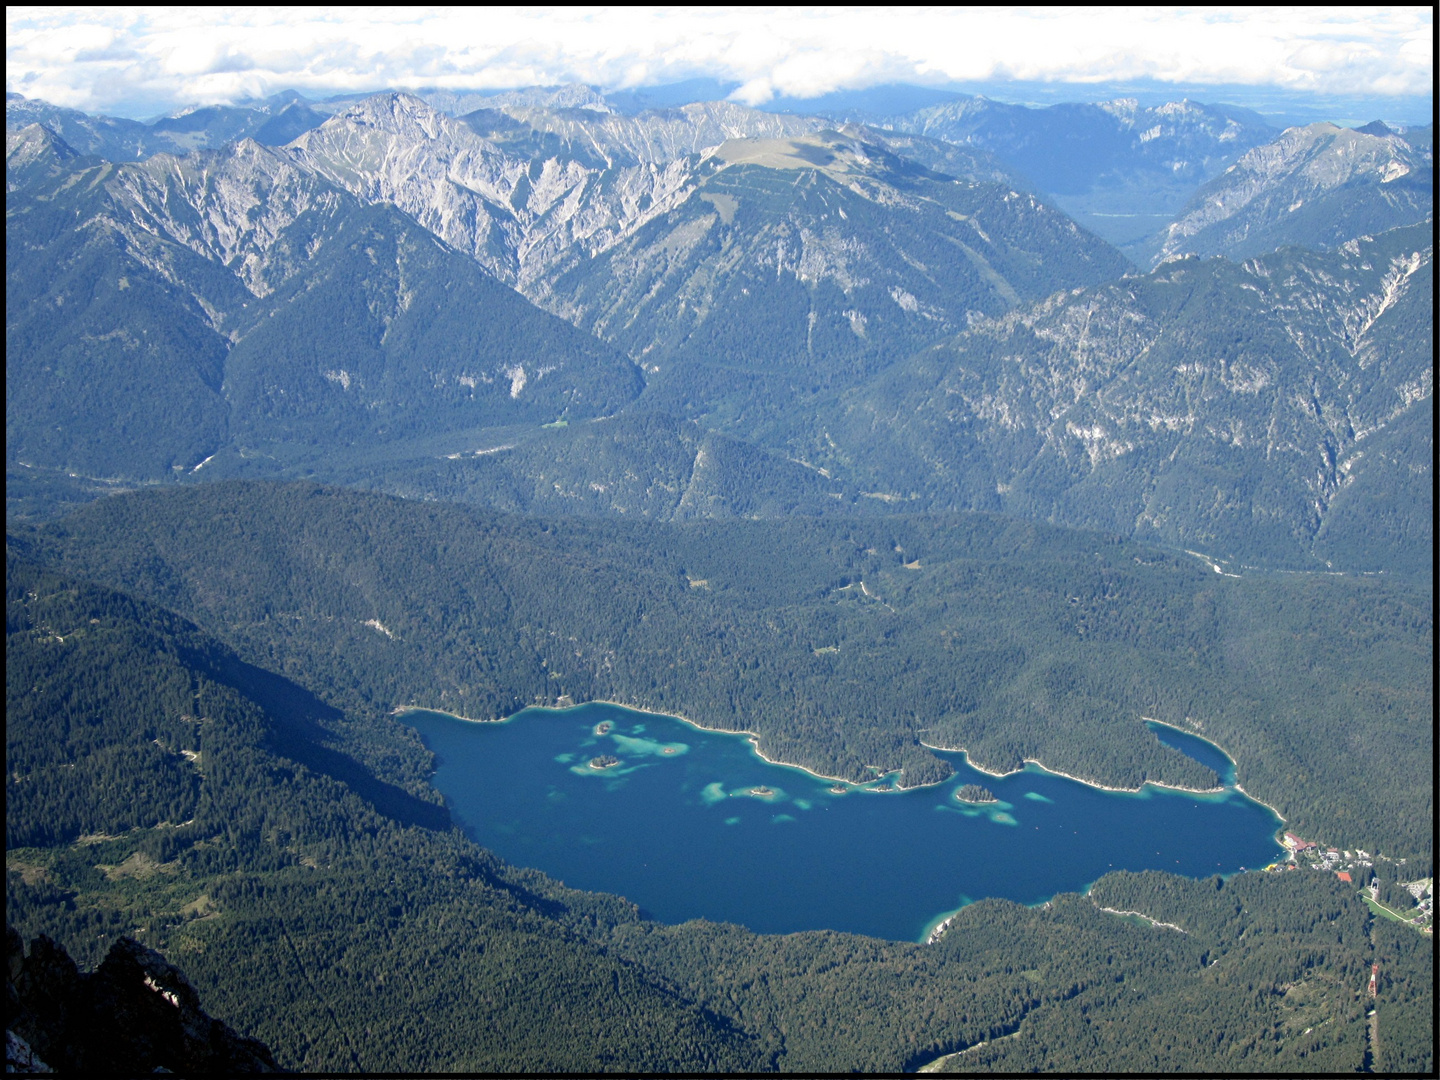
[1342, 875]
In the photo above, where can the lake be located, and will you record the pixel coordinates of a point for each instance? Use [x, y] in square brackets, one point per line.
[688, 823]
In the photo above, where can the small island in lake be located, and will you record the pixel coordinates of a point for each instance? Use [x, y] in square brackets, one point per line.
[603, 728]
[604, 761]
[762, 791]
[839, 789]
[975, 793]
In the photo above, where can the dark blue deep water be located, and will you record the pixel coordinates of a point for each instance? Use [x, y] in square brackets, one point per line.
[692, 824]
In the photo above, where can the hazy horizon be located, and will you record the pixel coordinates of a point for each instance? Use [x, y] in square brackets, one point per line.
[1290, 65]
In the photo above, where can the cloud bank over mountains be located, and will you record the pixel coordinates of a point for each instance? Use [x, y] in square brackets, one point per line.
[137, 61]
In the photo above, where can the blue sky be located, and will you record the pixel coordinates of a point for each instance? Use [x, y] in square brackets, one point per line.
[141, 61]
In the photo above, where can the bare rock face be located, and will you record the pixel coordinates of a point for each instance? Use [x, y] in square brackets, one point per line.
[136, 1013]
[1236, 409]
[1316, 186]
[512, 213]
[34, 151]
[19, 1058]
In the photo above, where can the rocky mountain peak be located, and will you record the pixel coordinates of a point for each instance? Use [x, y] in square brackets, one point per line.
[31, 139]
[136, 1013]
[1323, 149]
[1123, 109]
[1376, 127]
[1317, 185]
[33, 151]
[229, 204]
[395, 112]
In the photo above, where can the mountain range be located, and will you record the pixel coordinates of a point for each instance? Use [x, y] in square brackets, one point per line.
[907, 420]
[824, 295]
[1246, 410]
[211, 300]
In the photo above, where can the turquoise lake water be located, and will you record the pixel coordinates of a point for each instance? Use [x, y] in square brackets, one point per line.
[678, 826]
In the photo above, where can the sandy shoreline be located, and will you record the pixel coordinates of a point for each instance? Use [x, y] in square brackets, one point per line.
[751, 736]
[1262, 802]
[754, 739]
[1068, 776]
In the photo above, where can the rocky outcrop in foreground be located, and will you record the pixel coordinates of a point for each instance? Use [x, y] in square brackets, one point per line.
[136, 1013]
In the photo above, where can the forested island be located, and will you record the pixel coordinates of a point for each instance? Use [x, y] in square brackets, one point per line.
[974, 793]
[604, 761]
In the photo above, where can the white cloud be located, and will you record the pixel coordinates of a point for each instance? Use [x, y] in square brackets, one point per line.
[138, 58]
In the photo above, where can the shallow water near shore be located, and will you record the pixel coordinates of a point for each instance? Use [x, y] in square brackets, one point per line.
[689, 823]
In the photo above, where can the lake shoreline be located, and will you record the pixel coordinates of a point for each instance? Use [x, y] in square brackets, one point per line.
[1234, 765]
[1237, 786]
[754, 739]
[988, 866]
[1261, 802]
[752, 736]
[1078, 779]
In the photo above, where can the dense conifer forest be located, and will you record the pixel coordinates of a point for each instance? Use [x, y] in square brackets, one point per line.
[841, 644]
[320, 901]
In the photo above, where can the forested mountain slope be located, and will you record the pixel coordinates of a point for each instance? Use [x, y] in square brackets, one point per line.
[1317, 187]
[1276, 412]
[316, 898]
[1271, 984]
[840, 643]
[802, 265]
[271, 881]
[159, 312]
[635, 464]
